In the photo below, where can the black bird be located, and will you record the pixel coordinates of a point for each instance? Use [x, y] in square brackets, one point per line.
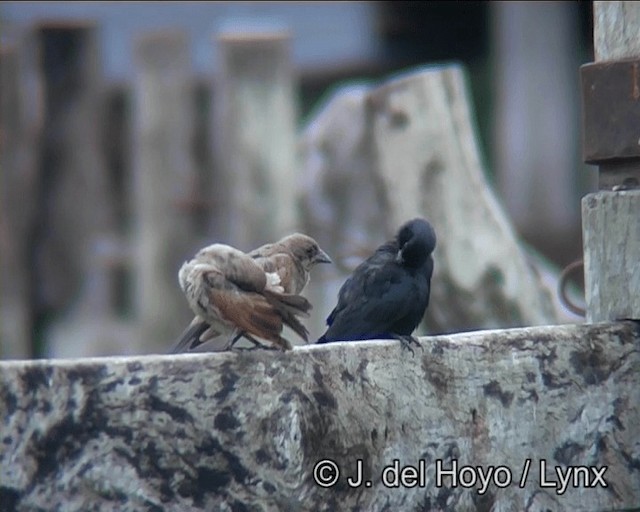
[387, 294]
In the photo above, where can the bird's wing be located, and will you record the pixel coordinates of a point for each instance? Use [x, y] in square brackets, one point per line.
[264, 251]
[242, 271]
[248, 311]
[362, 278]
[282, 264]
[372, 302]
[347, 290]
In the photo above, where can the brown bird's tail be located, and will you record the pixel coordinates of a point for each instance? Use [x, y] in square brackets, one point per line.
[289, 308]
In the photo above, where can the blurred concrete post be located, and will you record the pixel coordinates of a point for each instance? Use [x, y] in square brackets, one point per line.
[611, 117]
[254, 181]
[18, 134]
[163, 176]
[535, 56]
[75, 203]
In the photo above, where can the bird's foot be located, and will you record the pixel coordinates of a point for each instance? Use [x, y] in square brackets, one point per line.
[233, 341]
[407, 340]
[248, 337]
[255, 347]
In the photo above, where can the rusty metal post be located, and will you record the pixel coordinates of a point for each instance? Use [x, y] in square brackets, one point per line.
[611, 140]
[611, 123]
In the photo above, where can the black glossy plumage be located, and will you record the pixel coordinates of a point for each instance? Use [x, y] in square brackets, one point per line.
[387, 294]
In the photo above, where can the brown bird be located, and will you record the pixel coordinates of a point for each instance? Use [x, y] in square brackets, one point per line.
[286, 265]
[227, 289]
[292, 258]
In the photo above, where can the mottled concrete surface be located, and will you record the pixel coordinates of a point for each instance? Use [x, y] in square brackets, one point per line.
[244, 431]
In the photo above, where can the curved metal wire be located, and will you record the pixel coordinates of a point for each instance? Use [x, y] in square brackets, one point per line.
[562, 288]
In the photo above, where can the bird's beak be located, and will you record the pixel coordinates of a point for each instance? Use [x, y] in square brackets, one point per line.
[399, 257]
[322, 257]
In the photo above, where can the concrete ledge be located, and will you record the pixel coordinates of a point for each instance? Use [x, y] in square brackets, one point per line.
[244, 431]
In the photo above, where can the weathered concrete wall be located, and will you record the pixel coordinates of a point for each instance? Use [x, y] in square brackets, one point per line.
[244, 431]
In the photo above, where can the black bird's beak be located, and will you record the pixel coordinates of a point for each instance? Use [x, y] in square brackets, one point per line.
[322, 257]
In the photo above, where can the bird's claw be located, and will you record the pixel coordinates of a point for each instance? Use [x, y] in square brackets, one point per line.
[255, 347]
[406, 342]
[256, 344]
